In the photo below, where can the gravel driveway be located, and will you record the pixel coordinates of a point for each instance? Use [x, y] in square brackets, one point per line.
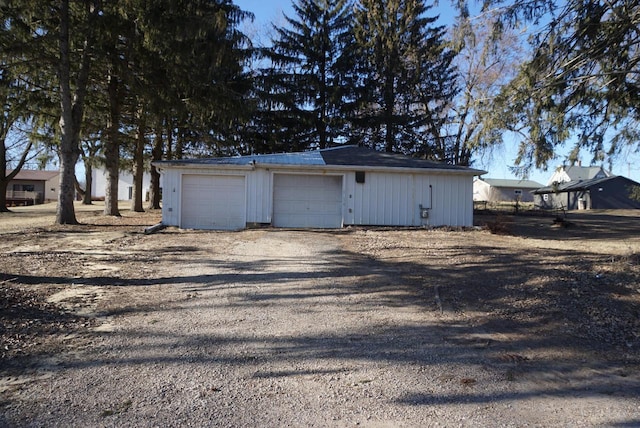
[279, 328]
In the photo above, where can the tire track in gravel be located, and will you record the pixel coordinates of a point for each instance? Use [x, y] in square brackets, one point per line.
[277, 328]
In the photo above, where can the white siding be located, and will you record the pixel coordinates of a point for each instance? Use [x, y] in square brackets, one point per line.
[259, 191]
[306, 200]
[51, 188]
[394, 199]
[171, 197]
[481, 191]
[171, 191]
[385, 198]
[213, 202]
[125, 183]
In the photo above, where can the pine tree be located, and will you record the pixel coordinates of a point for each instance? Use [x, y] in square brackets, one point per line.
[60, 35]
[73, 90]
[305, 90]
[406, 75]
[581, 82]
[185, 60]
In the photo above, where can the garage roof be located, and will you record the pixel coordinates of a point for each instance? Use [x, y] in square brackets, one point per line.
[358, 156]
[353, 156]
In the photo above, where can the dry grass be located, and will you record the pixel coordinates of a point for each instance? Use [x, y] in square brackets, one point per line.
[44, 215]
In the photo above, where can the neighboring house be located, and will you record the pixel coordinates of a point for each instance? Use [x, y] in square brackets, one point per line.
[499, 190]
[125, 185]
[564, 174]
[327, 188]
[33, 187]
[612, 192]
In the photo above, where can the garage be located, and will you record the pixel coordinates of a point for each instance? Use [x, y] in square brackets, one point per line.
[213, 202]
[307, 200]
[327, 188]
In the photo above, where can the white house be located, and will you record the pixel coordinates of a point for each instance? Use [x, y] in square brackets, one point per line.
[564, 174]
[504, 190]
[328, 188]
[125, 184]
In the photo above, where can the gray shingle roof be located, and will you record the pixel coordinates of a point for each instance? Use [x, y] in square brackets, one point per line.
[301, 158]
[34, 175]
[524, 184]
[338, 156]
[362, 156]
[576, 172]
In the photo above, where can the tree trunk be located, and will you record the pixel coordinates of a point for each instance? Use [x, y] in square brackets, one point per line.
[169, 139]
[138, 165]
[71, 112]
[156, 155]
[322, 125]
[90, 149]
[4, 177]
[179, 144]
[389, 104]
[65, 212]
[112, 149]
[3, 196]
[88, 179]
[79, 190]
[4, 180]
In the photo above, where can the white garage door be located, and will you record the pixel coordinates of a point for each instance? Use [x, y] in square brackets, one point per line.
[213, 202]
[307, 201]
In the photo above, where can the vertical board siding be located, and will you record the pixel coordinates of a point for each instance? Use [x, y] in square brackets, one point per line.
[259, 196]
[215, 202]
[384, 199]
[394, 199]
[170, 197]
[305, 200]
[172, 187]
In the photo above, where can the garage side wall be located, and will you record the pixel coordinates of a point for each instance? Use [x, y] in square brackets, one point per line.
[452, 200]
[170, 197]
[394, 199]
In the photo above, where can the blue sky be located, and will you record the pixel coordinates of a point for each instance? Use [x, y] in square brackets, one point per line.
[265, 10]
[498, 161]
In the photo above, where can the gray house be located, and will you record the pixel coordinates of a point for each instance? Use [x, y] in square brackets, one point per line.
[327, 188]
[612, 192]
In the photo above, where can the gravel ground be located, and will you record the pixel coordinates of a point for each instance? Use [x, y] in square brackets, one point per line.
[370, 327]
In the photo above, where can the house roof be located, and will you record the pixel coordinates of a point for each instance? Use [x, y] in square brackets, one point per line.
[34, 175]
[347, 156]
[523, 184]
[576, 172]
[579, 185]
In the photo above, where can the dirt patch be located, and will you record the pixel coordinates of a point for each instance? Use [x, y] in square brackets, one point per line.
[376, 327]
